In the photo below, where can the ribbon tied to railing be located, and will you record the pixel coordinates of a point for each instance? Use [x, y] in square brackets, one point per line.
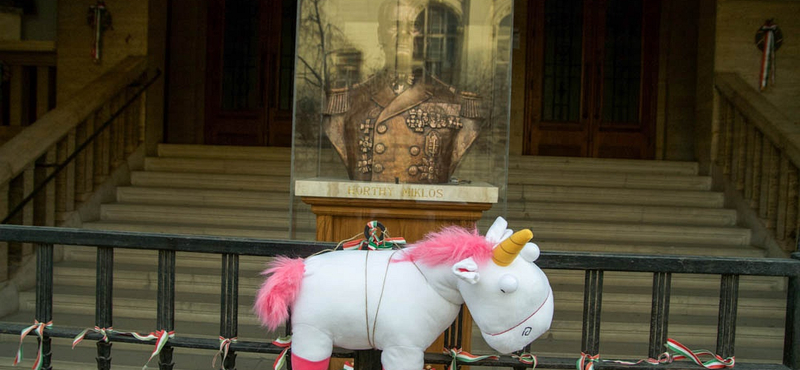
[458, 354]
[675, 351]
[716, 361]
[527, 358]
[375, 237]
[587, 361]
[224, 348]
[38, 328]
[104, 331]
[286, 344]
[161, 337]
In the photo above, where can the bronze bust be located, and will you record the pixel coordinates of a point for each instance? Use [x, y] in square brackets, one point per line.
[393, 127]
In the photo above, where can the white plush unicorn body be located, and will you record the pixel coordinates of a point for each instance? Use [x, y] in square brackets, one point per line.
[399, 301]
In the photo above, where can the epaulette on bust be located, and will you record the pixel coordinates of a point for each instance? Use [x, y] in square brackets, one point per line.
[338, 101]
[470, 104]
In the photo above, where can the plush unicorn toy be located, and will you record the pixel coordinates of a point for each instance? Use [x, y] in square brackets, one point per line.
[399, 301]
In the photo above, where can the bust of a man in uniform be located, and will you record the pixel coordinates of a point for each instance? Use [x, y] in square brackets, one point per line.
[395, 127]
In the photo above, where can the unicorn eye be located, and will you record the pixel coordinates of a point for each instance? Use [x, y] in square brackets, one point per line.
[508, 284]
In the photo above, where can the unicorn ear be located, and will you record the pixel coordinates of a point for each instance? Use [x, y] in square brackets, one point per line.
[467, 270]
[498, 231]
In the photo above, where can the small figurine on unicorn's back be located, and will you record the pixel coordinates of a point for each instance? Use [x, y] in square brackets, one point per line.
[400, 300]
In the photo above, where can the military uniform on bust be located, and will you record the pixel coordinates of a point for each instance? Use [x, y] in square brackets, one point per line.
[417, 135]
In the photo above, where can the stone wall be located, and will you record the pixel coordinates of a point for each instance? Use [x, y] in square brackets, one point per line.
[737, 23]
[74, 64]
[677, 80]
[138, 28]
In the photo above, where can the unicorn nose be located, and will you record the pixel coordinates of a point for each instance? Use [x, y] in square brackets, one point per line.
[508, 249]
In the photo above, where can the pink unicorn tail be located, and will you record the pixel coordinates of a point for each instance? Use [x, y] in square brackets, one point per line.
[279, 291]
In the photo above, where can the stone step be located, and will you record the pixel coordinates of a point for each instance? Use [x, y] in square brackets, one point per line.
[210, 262]
[221, 166]
[255, 153]
[139, 305]
[132, 356]
[679, 249]
[598, 232]
[580, 194]
[544, 163]
[193, 229]
[195, 267]
[195, 215]
[616, 328]
[752, 344]
[759, 297]
[609, 179]
[551, 211]
[204, 197]
[210, 181]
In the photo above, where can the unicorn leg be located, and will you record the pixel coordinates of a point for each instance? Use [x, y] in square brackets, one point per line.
[402, 358]
[311, 348]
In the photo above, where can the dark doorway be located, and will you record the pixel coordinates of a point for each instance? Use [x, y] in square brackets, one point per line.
[592, 78]
[249, 72]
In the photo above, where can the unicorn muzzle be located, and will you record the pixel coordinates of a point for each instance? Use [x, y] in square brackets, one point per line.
[522, 334]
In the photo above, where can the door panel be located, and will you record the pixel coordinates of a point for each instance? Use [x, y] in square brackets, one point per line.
[592, 75]
[245, 85]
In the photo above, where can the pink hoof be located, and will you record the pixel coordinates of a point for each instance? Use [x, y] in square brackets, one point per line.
[299, 363]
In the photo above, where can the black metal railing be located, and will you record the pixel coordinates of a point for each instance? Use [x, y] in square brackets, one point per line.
[662, 267]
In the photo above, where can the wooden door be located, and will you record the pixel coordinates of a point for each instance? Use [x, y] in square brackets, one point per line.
[250, 56]
[592, 75]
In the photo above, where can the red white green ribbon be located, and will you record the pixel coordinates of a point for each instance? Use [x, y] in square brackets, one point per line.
[527, 359]
[587, 361]
[347, 366]
[161, 337]
[375, 238]
[460, 355]
[224, 347]
[664, 358]
[767, 74]
[285, 343]
[716, 362]
[96, 329]
[37, 328]
[679, 352]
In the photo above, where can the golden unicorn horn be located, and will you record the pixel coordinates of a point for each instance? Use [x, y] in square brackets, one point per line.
[508, 249]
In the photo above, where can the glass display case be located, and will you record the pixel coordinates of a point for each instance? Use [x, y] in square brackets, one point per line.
[401, 100]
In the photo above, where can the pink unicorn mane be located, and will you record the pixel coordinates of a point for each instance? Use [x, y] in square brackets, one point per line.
[448, 246]
[279, 291]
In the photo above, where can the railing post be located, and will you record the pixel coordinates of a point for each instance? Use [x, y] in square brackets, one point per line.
[659, 314]
[229, 305]
[791, 344]
[726, 326]
[592, 302]
[369, 359]
[165, 315]
[4, 258]
[44, 296]
[103, 316]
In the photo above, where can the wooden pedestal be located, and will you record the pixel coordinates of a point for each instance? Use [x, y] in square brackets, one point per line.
[343, 218]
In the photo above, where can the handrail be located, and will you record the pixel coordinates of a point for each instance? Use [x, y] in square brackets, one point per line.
[59, 167]
[761, 112]
[757, 148]
[28, 52]
[230, 248]
[25, 148]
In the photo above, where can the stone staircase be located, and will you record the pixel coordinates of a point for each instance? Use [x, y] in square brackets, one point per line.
[571, 204]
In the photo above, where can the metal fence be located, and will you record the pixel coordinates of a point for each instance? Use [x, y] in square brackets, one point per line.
[230, 249]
